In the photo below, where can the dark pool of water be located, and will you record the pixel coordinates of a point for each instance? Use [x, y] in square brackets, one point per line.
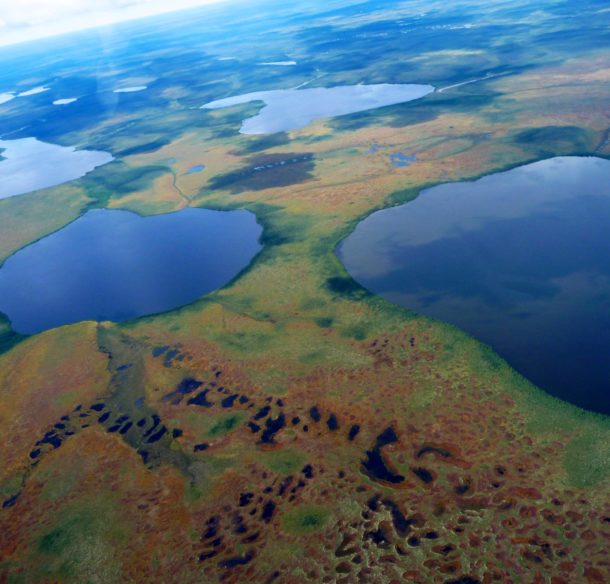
[519, 259]
[116, 265]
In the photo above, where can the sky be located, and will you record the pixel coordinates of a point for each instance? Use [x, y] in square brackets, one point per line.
[24, 20]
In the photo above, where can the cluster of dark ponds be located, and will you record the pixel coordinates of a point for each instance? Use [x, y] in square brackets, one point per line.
[231, 536]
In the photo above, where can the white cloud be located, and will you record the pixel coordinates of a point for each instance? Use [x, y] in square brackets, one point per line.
[24, 20]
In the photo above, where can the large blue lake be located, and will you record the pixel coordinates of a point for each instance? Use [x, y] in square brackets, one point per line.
[291, 109]
[519, 259]
[28, 164]
[116, 265]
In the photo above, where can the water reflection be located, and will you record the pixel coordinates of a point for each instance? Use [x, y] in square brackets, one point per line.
[115, 265]
[519, 259]
[30, 164]
[291, 109]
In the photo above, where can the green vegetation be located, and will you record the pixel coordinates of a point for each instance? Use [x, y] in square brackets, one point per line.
[252, 144]
[8, 337]
[223, 424]
[305, 519]
[587, 458]
[116, 179]
[555, 140]
[79, 545]
[284, 461]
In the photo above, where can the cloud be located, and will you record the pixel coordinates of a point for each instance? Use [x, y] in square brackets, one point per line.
[24, 20]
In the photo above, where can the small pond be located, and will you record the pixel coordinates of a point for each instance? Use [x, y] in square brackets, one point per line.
[519, 259]
[116, 265]
[291, 109]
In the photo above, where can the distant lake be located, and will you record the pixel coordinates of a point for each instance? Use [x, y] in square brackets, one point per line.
[131, 89]
[519, 259]
[291, 109]
[116, 265]
[65, 101]
[30, 164]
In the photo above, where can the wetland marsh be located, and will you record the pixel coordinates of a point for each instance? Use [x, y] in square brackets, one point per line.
[290, 426]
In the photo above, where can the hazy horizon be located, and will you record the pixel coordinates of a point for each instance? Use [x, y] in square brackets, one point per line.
[31, 20]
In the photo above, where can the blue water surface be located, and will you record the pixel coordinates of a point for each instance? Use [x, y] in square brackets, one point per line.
[519, 259]
[115, 265]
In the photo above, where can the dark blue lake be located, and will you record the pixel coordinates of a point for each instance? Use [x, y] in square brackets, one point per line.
[519, 259]
[115, 265]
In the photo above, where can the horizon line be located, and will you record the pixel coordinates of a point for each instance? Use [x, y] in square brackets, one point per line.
[102, 20]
